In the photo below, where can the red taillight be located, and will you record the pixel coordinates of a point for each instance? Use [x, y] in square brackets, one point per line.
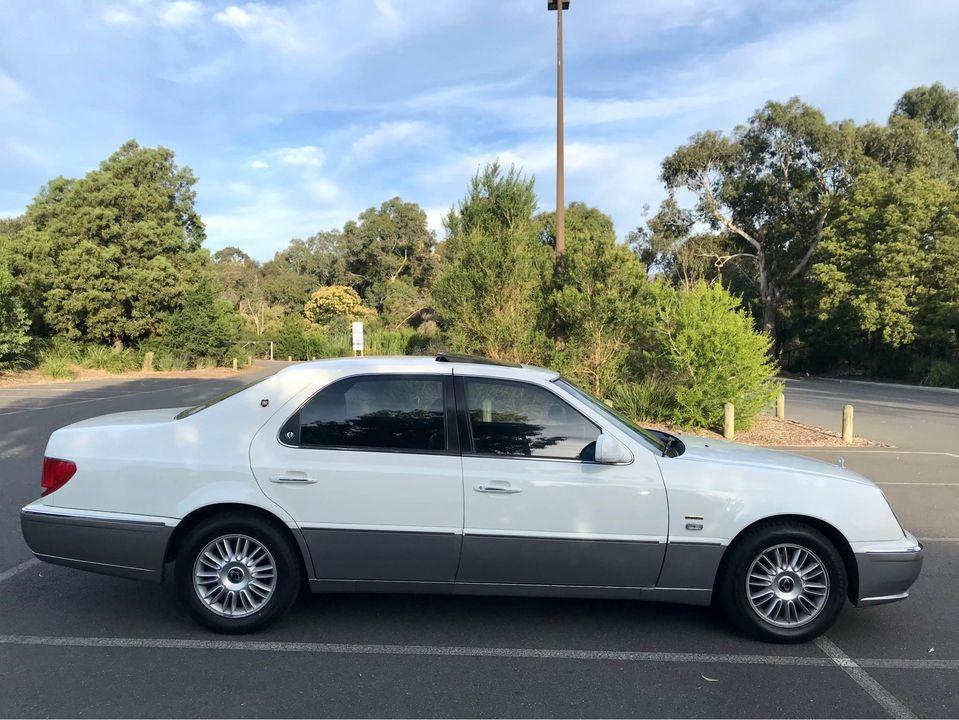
[55, 474]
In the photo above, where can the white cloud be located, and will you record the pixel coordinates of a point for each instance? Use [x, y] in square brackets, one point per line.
[180, 13]
[120, 16]
[258, 224]
[435, 215]
[323, 190]
[388, 135]
[264, 25]
[305, 155]
[259, 165]
[10, 91]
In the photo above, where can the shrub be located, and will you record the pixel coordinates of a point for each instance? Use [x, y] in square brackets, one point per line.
[706, 346]
[942, 373]
[56, 367]
[165, 361]
[114, 360]
[649, 400]
[206, 363]
[380, 341]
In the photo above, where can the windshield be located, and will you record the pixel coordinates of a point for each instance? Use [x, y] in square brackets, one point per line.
[640, 434]
[214, 400]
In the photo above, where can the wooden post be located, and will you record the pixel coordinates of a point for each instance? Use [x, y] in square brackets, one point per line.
[729, 422]
[781, 407]
[847, 432]
[289, 358]
[234, 363]
[148, 362]
[249, 360]
[271, 349]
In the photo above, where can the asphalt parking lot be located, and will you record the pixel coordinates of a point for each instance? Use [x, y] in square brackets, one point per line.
[76, 644]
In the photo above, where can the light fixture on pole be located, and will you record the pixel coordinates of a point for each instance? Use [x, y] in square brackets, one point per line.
[560, 180]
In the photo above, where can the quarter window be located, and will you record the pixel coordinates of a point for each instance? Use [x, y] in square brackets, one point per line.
[522, 420]
[378, 413]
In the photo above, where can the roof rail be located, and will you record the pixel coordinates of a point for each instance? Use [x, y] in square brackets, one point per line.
[474, 359]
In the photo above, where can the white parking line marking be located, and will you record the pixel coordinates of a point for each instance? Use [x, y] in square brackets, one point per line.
[935, 539]
[462, 651]
[867, 682]
[924, 484]
[17, 569]
[435, 650]
[845, 451]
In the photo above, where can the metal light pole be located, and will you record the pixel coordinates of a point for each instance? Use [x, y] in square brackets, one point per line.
[560, 179]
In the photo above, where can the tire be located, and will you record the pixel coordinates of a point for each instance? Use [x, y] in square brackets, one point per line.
[777, 561]
[228, 558]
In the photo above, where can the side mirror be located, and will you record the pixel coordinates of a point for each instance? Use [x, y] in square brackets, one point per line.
[610, 451]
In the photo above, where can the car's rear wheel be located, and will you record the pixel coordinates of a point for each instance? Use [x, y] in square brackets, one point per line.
[784, 582]
[237, 572]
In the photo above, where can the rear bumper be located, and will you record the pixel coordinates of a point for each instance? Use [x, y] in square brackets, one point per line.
[886, 573]
[110, 545]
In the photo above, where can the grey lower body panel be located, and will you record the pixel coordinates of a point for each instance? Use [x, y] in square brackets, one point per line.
[112, 547]
[383, 555]
[886, 576]
[691, 565]
[546, 561]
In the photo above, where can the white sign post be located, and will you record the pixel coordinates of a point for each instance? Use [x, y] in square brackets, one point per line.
[358, 337]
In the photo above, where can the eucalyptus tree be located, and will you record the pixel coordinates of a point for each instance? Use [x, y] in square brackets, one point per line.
[771, 186]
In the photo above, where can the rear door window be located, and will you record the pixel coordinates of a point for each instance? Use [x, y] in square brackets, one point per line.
[373, 412]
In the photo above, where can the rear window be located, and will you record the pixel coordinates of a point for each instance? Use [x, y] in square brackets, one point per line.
[214, 400]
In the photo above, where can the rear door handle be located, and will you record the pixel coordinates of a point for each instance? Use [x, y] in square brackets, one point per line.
[497, 489]
[293, 478]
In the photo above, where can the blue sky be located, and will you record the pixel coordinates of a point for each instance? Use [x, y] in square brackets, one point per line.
[296, 116]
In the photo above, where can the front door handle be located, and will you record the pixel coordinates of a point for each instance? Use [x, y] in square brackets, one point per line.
[502, 488]
[293, 478]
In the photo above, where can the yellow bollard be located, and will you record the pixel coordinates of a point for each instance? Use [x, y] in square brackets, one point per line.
[729, 422]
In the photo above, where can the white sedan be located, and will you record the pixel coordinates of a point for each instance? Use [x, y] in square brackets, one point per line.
[458, 475]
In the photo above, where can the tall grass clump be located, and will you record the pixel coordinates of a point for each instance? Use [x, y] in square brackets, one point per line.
[56, 367]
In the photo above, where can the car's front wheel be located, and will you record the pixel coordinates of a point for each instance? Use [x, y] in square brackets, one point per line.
[237, 573]
[784, 582]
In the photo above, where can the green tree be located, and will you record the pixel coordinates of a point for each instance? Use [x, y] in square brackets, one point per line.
[668, 245]
[492, 282]
[599, 302]
[303, 265]
[771, 187]
[242, 280]
[203, 326]
[14, 323]
[887, 275]
[108, 257]
[935, 106]
[385, 245]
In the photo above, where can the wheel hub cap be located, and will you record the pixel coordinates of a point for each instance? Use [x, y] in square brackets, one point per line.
[787, 585]
[234, 575]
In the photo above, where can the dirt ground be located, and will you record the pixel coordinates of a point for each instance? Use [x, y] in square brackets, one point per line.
[767, 430]
[34, 377]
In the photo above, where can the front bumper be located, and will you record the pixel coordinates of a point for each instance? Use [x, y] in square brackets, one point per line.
[887, 571]
[110, 544]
